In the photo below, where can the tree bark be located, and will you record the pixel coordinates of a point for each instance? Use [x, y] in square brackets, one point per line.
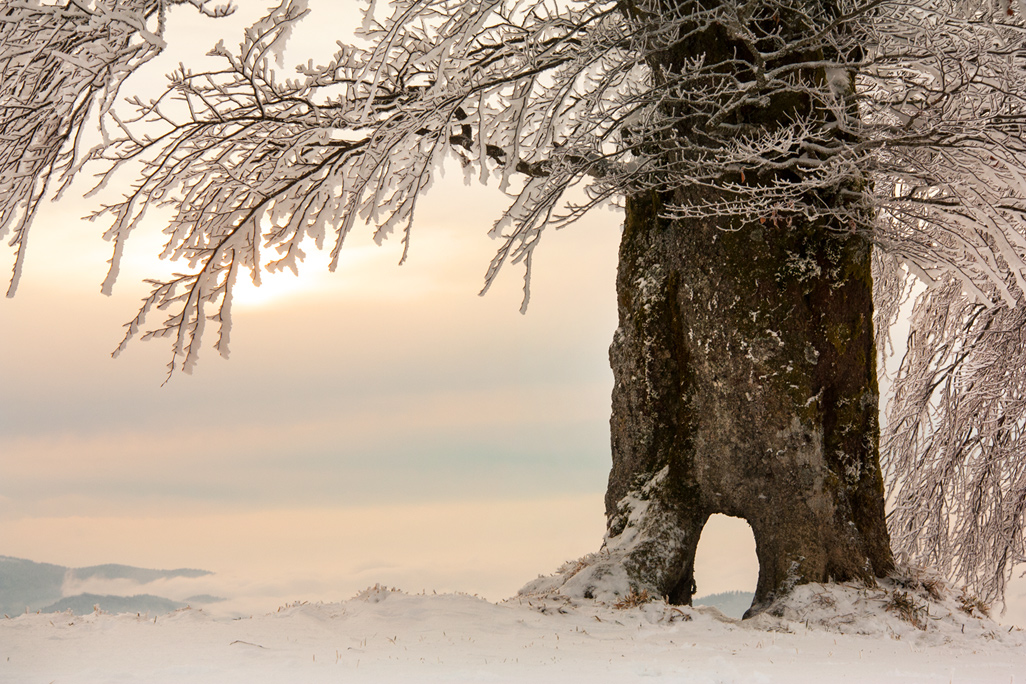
[744, 363]
[745, 384]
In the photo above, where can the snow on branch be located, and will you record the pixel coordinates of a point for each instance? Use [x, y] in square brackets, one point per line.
[919, 102]
[944, 101]
[254, 165]
[956, 439]
[57, 63]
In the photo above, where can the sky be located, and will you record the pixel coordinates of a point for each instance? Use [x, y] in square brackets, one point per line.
[381, 424]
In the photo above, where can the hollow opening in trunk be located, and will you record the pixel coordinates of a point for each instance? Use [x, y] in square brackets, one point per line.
[726, 567]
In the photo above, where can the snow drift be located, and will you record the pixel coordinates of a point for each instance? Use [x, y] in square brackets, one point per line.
[821, 633]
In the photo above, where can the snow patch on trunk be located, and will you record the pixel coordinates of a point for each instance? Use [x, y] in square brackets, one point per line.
[639, 531]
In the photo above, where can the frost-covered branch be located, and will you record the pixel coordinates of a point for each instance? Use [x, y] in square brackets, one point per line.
[62, 65]
[956, 439]
[944, 103]
[254, 165]
[58, 62]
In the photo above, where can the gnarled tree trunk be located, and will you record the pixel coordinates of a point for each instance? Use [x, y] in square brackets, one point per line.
[744, 362]
[745, 384]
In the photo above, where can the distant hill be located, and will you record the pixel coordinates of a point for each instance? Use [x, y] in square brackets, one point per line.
[25, 584]
[730, 603]
[84, 604]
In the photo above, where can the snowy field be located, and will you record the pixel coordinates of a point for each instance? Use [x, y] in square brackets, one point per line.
[823, 634]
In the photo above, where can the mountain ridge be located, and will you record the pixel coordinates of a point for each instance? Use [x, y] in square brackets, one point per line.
[30, 586]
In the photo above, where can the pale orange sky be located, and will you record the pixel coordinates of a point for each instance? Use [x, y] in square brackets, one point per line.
[365, 427]
[379, 424]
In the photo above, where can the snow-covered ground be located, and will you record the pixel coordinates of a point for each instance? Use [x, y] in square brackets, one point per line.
[831, 633]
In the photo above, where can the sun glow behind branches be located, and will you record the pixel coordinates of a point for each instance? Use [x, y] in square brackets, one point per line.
[276, 288]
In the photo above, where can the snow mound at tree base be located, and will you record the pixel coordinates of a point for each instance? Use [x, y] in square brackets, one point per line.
[909, 604]
[892, 609]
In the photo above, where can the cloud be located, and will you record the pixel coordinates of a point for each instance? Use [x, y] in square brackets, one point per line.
[263, 558]
[329, 396]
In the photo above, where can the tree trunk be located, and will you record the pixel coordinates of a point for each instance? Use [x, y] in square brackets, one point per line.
[745, 384]
[744, 362]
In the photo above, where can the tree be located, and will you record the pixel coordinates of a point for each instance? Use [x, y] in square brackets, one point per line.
[770, 155]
